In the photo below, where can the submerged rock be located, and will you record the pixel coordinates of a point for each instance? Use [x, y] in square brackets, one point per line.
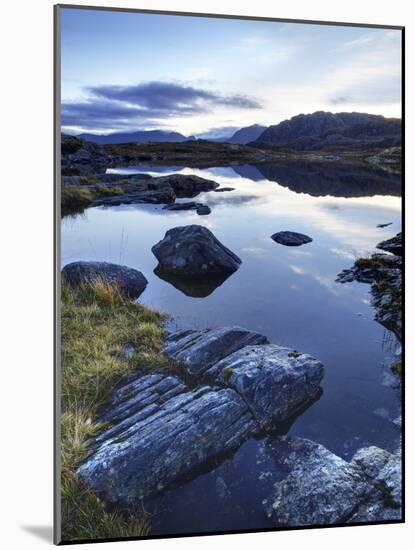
[313, 486]
[200, 208]
[130, 281]
[193, 251]
[224, 189]
[290, 238]
[164, 427]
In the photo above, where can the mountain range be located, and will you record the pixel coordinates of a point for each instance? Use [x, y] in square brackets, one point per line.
[140, 135]
[318, 131]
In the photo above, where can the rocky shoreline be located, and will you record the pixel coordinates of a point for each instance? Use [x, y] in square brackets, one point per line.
[384, 273]
[80, 157]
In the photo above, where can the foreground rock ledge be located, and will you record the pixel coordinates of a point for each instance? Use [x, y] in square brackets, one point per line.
[312, 486]
[230, 385]
[130, 281]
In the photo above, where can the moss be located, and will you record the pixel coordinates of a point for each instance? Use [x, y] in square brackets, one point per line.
[374, 262]
[77, 197]
[397, 368]
[387, 494]
[96, 322]
[227, 374]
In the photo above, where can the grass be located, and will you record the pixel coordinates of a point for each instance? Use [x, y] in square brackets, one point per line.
[96, 323]
[374, 262]
[75, 197]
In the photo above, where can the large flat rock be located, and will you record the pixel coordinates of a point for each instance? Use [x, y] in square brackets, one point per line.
[164, 426]
[161, 431]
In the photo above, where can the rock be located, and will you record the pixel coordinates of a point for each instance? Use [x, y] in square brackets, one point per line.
[382, 225]
[161, 433]
[130, 281]
[313, 486]
[384, 472]
[177, 206]
[150, 196]
[290, 238]
[188, 186]
[224, 189]
[203, 210]
[393, 245]
[198, 350]
[200, 208]
[164, 426]
[317, 487]
[274, 381]
[82, 157]
[193, 251]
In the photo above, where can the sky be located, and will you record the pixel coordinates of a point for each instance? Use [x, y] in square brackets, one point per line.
[124, 71]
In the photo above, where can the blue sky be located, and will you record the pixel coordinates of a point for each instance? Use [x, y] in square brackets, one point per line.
[127, 71]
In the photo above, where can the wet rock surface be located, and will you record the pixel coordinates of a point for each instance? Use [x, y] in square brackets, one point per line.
[163, 426]
[130, 281]
[313, 486]
[291, 238]
[194, 251]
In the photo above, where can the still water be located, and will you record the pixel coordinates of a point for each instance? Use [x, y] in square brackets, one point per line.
[288, 294]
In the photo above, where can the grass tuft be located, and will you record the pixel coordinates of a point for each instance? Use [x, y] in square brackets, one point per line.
[96, 323]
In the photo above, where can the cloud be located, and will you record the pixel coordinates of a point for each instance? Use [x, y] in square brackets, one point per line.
[146, 103]
[370, 75]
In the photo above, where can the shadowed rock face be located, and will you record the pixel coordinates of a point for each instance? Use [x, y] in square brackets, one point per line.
[312, 486]
[81, 157]
[193, 251]
[163, 428]
[291, 238]
[197, 288]
[130, 281]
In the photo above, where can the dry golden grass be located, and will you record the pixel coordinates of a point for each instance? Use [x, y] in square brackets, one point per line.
[96, 322]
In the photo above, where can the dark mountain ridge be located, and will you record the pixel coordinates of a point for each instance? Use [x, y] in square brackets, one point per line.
[332, 131]
[135, 137]
[247, 134]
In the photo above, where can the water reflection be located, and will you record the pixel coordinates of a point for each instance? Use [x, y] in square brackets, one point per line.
[320, 179]
[197, 288]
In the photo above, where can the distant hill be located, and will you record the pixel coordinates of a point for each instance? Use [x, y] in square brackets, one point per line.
[134, 137]
[247, 134]
[332, 131]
